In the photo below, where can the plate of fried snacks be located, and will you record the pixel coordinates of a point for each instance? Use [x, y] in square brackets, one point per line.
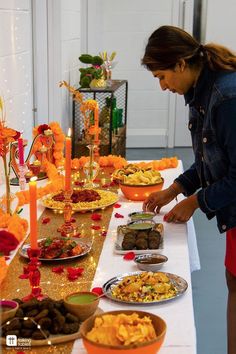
[58, 248]
[81, 200]
[40, 323]
[145, 287]
[138, 238]
[134, 175]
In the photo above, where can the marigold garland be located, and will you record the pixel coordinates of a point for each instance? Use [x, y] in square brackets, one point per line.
[14, 224]
[59, 139]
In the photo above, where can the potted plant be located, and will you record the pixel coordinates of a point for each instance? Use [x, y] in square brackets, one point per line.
[92, 76]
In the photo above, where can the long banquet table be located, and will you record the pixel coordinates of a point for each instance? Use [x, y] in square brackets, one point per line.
[181, 249]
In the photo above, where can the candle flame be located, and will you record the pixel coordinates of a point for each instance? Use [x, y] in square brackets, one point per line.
[33, 179]
[69, 132]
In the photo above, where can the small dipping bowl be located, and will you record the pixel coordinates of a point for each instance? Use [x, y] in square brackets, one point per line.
[141, 215]
[82, 304]
[8, 310]
[150, 262]
[141, 225]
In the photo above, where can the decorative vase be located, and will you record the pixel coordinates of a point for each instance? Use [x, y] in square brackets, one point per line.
[98, 83]
[91, 168]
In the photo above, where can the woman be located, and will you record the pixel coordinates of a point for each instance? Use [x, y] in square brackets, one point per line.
[206, 76]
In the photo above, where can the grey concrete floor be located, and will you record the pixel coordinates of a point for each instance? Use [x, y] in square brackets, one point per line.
[209, 288]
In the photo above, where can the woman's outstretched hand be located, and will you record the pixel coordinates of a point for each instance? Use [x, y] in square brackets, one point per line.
[157, 200]
[182, 211]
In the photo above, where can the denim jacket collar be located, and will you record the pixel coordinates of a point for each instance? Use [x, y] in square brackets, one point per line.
[199, 95]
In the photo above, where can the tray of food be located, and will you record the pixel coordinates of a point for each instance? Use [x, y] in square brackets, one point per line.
[141, 236]
[81, 200]
[145, 287]
[41, 323]
[58, 248]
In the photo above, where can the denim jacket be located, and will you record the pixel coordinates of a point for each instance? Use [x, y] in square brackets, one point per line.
[213, 173]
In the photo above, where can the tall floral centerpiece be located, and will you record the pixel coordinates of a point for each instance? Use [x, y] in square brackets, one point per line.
[7, 136]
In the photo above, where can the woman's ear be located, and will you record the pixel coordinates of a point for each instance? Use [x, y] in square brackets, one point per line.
[181, 65]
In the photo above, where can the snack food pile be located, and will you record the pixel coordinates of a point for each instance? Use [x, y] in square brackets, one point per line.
[122, 329]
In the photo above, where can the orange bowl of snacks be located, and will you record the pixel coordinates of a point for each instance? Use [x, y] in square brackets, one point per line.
[140, 192]
[116, 332]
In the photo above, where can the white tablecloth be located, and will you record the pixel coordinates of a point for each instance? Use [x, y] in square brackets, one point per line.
[181, 249]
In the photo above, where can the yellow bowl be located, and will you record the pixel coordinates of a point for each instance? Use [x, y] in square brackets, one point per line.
[151, 347]
[140, 192]
[82, 304]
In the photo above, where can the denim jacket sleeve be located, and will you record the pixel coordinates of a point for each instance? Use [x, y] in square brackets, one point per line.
[222, 193]
[189, 181]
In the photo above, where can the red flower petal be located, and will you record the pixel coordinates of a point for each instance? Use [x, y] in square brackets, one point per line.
[96, 217]
[129, 256]
[94, 227]
[104, 233]
[117, 205]
[78, 183]
[58, 270]
[117, 215]
[97, 291]
[46, 220]
[74, 273]
[72, 220]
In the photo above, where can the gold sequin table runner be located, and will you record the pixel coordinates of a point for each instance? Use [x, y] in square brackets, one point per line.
[57, 286]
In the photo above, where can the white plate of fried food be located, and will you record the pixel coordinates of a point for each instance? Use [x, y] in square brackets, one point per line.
[145, 287]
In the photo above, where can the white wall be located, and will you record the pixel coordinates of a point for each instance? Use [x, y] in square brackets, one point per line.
[16, 64]
[219, 22]
[124, 26]
[70, 51]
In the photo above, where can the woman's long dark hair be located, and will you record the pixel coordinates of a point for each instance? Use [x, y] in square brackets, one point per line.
[168, 45]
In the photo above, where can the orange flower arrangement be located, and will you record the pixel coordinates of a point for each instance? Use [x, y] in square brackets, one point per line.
[58, 147]
[14, 224]
[7, 136]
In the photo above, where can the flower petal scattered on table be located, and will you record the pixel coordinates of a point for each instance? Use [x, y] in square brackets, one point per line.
[46, 220]
[97, 290]
[104, 233]
[117, 215]
[129, 256]
[96, 217]
[95, 227]
[117, 205]
[74, 273]
[58, 270]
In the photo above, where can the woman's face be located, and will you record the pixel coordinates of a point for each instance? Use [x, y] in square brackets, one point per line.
[178, 80]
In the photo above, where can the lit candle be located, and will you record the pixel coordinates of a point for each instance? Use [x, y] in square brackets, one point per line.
[68, 162]
[96, 122]
[96, 116]
[21, 150]
[33, 212]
